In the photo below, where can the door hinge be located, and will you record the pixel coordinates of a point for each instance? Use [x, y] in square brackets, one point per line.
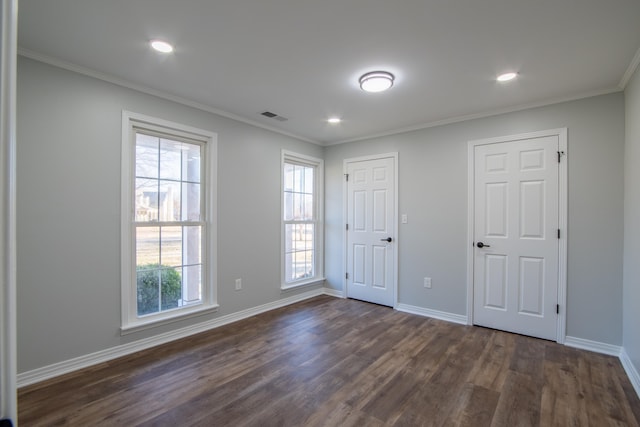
[347, 227]
[557, 308]
[346, 176]
[558, 233]
[346, 276]
[560, 154]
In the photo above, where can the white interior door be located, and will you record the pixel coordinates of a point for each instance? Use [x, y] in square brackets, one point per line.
[516, 236]
[371, 245]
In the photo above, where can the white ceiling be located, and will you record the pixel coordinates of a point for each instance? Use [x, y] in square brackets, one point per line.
[301, 58]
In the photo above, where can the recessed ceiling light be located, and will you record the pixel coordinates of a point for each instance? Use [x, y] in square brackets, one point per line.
[334, 120]
[376, 81]
[506, 77]
[161, 46]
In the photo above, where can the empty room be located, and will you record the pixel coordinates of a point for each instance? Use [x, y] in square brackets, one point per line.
[330, 213]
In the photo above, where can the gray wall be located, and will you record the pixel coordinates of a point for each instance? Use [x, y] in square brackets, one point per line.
[631, 318]
[433, 193]
[69, 211]
[68, 163]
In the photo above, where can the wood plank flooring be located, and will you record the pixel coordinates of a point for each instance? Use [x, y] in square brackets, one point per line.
[334, 362]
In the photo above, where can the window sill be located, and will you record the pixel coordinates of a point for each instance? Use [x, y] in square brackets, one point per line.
[311, 282]
[144, 324]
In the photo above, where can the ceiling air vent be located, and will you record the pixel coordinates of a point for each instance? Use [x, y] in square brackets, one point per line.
[274, 116]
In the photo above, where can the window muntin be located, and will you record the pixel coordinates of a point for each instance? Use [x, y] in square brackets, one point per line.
[301, 217]
[168, 221]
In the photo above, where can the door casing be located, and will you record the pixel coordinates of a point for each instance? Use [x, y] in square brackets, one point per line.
[561, 134]
[345, 216]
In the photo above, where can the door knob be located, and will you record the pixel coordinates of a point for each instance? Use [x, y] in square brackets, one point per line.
[388, 239]
[482, 245]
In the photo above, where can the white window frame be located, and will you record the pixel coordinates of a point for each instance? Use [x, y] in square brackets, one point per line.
[318, 221]
[131, 322]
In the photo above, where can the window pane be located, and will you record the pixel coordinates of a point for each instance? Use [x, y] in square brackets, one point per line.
[192, 284]
[288, 267]
[148, 291]
[288, 237]
[171, 246]
[308, 207]
[288, 206]
[171, 289]
[170, 159]
[169, 199]
[297, 206]
[146, 156]
[309, 270]
[192, 245]
[191, 162]
[296, 237]
[299, 270]
[308, 180]
[309, 235]
[146, 203]
[297, 178]
[147, 247]
[190, 202]
[288, 177]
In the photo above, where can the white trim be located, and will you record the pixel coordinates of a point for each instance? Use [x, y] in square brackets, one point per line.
[633, 65]
[8, 340]
[630, 369]
[183, 314]
[563, 201]
[427, 312]
[595, 346]
[318, 165]
[334, 293]
[563, 224]
[64, 367]
[345, 215]
[297, 285]
[130, 322]
[481, 115]
[471, 202]
[36, 56]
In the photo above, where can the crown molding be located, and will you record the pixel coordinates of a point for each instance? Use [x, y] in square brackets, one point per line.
[633, 65]
[482, 115]
[635, 62]
[36, 56]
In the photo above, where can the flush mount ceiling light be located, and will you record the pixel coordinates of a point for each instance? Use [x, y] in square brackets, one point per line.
[506, 77]
[161, 46]
[376, 81]
[334, 120]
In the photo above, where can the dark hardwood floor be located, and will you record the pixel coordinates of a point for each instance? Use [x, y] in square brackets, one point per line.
[335, 362]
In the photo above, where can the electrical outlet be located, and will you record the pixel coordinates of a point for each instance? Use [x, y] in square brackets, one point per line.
[238, 284]
[404, 219]
[427, 282]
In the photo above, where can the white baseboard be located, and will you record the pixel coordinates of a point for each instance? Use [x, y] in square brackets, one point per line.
[595, 346]
[334, 293]
[631, 371]
[427, 312]
[66, 366]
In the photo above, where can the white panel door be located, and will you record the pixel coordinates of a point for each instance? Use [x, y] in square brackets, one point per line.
[516, 246]
[370, 230]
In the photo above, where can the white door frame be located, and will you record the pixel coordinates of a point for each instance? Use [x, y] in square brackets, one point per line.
[345, 216]
[8, 355]
[561, 133]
